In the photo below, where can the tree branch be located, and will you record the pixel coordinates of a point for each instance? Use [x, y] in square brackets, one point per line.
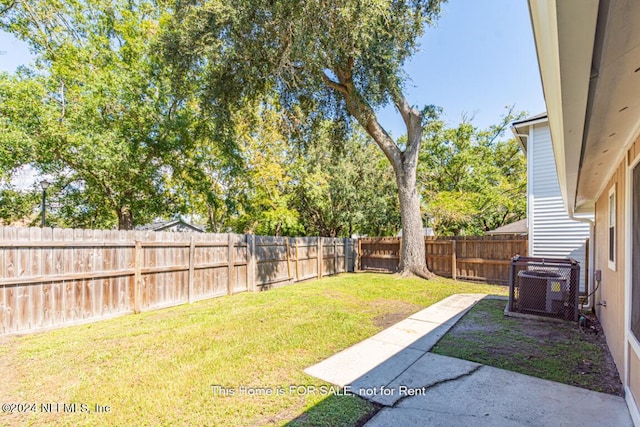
[8, 8]
[502, 126]
[403, 107]
[363, 113]
[335, 85]
[412, 120]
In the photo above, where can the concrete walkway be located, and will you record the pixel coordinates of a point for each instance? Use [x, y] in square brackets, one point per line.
[416, 388]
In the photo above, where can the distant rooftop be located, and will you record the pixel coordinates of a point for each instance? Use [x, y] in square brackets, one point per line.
[518, 227]
[173, 225]
[530, 119]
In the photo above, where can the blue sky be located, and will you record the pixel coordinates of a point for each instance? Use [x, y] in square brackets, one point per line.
[479, 59]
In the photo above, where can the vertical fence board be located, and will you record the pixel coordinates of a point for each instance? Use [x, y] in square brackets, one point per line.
[320, 257]
[11, 270]
[230, 260]
[192, 249]
[10, 290]
[23, 296]
[4, 308]
[148, 281]
[251, 260]
[107, 283]
[137, 287]
[454, 260]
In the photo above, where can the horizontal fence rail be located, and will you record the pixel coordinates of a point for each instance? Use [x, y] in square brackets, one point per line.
[476, 258]
[55, 277]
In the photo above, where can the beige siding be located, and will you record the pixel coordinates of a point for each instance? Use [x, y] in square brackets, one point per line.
[634, 151]
[612, 286]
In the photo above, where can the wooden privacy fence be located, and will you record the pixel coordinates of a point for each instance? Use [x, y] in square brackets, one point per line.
[54, 277]
[477, 258]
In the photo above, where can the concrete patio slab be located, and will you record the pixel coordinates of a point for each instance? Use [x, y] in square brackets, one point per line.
[495, 397]
[369, 384]
[419, 417]
[382, 360]
[428, 371]
[416, 388]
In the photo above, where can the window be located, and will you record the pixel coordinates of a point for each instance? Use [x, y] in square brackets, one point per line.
[612, 228]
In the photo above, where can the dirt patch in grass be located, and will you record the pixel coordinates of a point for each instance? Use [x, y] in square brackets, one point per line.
[397, 311]
[561, 352]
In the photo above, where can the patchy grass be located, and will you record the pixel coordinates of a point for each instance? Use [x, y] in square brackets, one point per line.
[160, 367]
[554, 351]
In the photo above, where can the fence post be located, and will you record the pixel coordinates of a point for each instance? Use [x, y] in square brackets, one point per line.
[335, 255]
[320, 257]
[137, 285]
[357, 263]
[251, 262]
[230, 258]
[454, 260]
[288, 260]
[192, 255]
[346, 255]
[297, 261]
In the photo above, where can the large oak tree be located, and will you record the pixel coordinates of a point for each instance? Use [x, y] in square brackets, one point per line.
[325, 58]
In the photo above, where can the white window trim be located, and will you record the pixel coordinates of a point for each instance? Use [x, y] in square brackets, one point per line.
[631, 343]
[612, 192]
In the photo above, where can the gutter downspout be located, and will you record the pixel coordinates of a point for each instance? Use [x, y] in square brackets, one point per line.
[591, 299]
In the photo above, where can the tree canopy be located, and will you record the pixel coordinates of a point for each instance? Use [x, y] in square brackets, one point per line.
[101, 115]
[472, 180]
[325, 59]
[251, 116]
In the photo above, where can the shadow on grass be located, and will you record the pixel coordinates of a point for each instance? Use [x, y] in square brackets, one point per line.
[336, 410]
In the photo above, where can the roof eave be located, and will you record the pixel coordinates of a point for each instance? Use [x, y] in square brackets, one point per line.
[520, 129]
[564, 34]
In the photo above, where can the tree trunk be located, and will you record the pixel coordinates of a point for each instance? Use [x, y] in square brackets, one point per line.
[405, 163]
[412, 257]
[125, 218]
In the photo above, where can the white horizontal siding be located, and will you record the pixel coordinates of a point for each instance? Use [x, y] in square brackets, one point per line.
[552, 233]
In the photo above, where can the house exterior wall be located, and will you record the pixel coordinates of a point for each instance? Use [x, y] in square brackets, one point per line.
[611, 289]
[551, 232]
[613, 283]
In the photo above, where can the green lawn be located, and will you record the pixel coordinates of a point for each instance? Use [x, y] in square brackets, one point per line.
[160, 367]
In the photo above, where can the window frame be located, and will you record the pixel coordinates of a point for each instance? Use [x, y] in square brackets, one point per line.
[612, 228]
